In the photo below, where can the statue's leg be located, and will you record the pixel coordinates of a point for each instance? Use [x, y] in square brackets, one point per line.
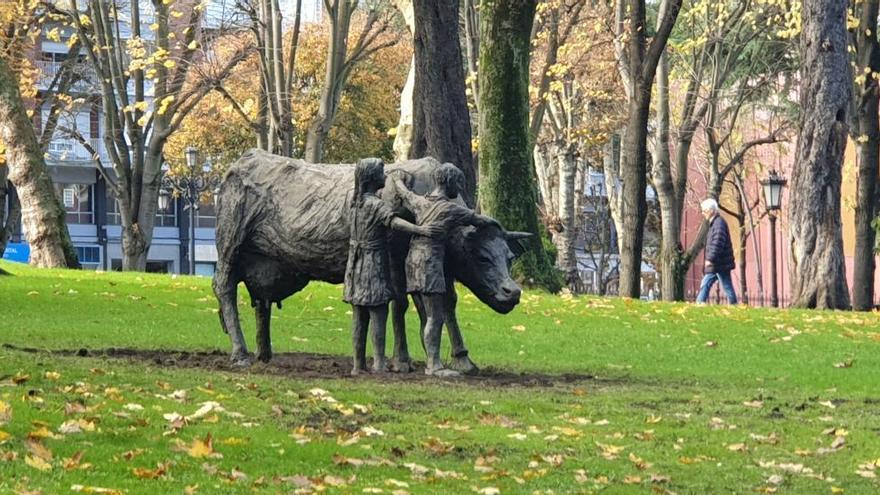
[419, 303]
[460, 360]
[226, 290]
[433, 332]
[263, 311]
[378, 320]
[360, 318]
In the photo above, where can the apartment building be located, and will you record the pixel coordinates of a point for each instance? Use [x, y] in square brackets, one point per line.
[93, 217]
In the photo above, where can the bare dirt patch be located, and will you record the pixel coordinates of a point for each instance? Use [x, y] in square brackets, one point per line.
[306, 365]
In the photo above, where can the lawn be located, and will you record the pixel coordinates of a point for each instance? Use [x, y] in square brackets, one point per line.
[579, 395]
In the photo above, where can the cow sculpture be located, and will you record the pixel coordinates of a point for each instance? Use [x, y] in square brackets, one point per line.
[282, 223]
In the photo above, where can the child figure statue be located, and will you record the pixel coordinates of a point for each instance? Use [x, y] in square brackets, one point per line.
[367, 274]
[425, 262]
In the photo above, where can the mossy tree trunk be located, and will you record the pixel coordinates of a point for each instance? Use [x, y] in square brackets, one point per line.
[507, 182]
[818, 272]
[42, 213]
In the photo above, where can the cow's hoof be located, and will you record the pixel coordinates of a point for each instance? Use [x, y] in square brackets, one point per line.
[381, 367]
[401, 366]
[264, 357]
[464, 365]
[442, 373]
[241, 361]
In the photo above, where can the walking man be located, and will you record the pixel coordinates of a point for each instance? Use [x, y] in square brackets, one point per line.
[718, 255]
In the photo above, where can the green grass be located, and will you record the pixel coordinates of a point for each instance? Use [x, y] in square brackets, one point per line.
[708, 399]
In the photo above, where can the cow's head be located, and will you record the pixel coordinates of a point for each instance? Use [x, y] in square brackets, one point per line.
[480, 258]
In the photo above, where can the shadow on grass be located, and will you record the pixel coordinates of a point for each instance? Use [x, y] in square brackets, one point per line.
[311, 365]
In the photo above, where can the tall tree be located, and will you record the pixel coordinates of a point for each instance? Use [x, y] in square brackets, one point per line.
[274, 125]
[23, 166]
[148, 85]
[42, 214]
[403, 134]
[441, 122]
[341, 61]
[507, 180]
[865, 130]
[730, 62]
[817, 269]
[638, 62]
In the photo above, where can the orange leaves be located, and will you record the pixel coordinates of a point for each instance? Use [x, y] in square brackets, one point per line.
[201, 448]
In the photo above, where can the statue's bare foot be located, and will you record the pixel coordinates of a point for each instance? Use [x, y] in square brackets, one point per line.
[380, 366]
[442, 372]
[358, 371]
[401, 366]
[241, 360]
[464, 365]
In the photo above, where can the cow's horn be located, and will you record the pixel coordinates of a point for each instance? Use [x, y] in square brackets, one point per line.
[513, 236]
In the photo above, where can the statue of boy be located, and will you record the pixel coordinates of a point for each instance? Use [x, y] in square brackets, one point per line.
[425, 277]
[367, 274]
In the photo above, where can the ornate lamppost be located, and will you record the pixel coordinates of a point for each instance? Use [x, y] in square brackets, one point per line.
[773, 186]
[189, 186]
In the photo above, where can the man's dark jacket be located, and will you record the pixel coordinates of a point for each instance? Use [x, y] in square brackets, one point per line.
[719, 250]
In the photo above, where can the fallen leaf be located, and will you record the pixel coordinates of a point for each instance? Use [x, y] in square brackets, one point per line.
[201, 448]
[5, 413]
[37, 463]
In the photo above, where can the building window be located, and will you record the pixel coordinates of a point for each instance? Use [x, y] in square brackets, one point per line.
[207, 217]
[167, 218]
[77, 201]
[205, 269]
[89, 256]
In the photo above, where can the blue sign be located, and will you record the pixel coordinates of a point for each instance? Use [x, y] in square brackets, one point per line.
[18, 252]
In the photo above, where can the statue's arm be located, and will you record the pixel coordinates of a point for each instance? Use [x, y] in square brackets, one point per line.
[431, 230]
[410, 199]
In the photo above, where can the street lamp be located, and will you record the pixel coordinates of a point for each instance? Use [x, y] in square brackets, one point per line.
[773, 186]
[190, 186]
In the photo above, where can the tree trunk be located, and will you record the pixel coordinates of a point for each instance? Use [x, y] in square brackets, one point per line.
[634, 210]
[8, 221]
[611, 169]
[507, 181]
[404, 137]
[818, 273]
[441, 122]
[866, 132]
[334, 80]
[567, 260]
[641, 60]
[42, 213]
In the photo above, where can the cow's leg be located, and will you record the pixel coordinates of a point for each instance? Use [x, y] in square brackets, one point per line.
[360, 318]
[433, 332]
[263, 311]
[378, 320]
[460, 360]
[226, 290]
[401, 361]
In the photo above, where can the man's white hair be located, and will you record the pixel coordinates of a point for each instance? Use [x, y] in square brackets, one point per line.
[709, 204]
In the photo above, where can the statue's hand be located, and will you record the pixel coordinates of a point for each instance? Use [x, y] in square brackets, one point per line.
[433, 230]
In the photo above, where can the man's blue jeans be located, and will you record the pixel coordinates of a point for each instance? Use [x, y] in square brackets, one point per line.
[709, 280]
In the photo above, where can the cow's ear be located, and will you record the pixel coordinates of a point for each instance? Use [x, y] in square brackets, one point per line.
[517, 242]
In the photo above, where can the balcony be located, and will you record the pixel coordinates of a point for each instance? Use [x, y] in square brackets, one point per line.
[49, 69]
[70, 150]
